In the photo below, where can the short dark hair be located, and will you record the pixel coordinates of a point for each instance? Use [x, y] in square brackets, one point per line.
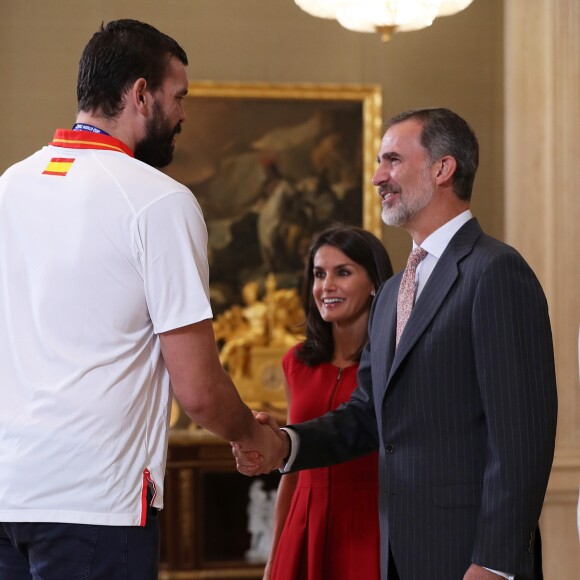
[446, 133]
[117, 55]
[363, 248]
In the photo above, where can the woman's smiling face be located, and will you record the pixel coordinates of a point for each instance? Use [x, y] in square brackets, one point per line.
[341, 288]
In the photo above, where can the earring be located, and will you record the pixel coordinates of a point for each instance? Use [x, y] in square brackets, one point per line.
[373, 292]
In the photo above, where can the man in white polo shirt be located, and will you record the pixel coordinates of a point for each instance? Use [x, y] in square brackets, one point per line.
[104, 298]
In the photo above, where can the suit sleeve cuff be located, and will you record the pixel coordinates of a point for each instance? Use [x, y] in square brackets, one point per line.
[294, 445]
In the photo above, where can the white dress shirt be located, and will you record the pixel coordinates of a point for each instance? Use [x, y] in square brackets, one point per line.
[435, 244]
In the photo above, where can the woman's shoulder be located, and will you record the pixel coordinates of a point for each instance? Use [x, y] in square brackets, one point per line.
[291, 358]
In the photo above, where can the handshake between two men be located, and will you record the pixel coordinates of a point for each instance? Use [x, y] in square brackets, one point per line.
[270, 453]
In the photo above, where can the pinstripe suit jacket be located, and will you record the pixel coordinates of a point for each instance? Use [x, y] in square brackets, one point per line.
[463, 414]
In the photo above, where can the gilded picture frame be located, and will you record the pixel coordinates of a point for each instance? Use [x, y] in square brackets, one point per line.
[255, 156]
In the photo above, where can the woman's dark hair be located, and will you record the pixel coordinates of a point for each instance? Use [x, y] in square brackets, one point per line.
[361, 247]
[116, 56]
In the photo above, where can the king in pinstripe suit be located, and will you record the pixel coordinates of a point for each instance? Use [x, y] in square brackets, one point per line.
[463, 410]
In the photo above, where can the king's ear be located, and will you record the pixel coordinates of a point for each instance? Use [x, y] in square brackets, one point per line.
[445, 168]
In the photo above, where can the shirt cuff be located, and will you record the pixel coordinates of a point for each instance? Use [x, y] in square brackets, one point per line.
[294, 445]
[503, 574]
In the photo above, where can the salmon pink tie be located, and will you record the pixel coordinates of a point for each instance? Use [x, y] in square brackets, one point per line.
[407, 290]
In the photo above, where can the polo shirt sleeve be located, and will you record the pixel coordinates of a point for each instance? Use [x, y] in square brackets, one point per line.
[172, 246]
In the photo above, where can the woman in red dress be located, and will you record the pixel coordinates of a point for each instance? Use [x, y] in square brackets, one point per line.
[326, 523]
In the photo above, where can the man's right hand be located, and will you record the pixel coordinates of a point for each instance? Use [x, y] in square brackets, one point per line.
[266, 449]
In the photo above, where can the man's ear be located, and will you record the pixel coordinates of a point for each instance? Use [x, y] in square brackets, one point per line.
[445, 169]
[140, 96]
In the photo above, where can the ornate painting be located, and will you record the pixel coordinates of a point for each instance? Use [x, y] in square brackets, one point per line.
[271, 165]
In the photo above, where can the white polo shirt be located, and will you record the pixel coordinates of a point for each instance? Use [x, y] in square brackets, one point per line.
[98, 254]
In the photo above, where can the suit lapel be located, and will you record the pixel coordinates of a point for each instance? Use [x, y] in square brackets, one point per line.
[440, 282]
[390, 321]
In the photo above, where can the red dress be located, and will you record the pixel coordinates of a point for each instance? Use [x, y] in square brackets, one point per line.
[332, 528]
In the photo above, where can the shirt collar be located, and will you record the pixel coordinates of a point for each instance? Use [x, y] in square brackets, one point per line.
[436, 242]
[70, 139]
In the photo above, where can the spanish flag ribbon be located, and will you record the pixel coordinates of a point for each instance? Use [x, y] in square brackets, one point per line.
[69, 139]
[58, 166]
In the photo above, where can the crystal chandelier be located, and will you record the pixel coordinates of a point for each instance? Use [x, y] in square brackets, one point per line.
[383, 16]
